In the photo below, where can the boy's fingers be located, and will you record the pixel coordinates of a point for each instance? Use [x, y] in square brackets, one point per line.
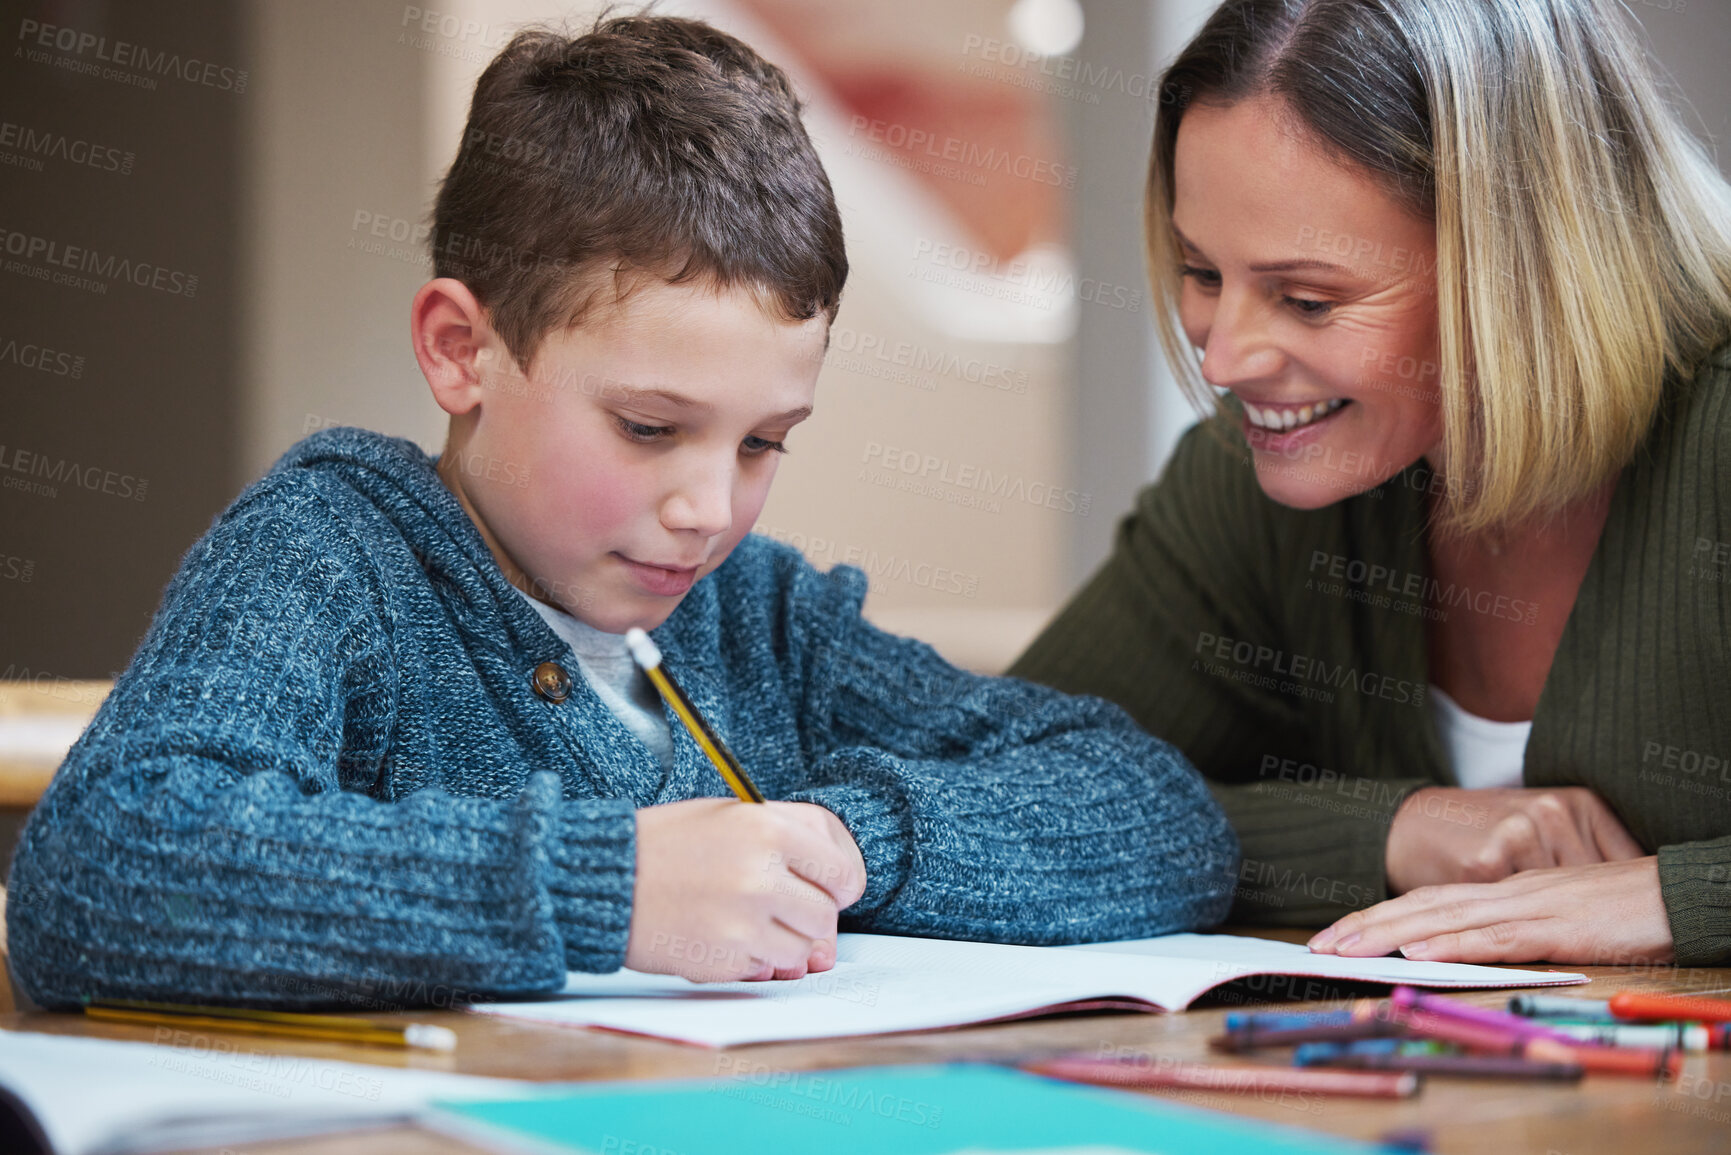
[791, 959]
[780, 953]
[839, 879]
[820, 861]
[854, 883]
[822, 956]
[803, 908]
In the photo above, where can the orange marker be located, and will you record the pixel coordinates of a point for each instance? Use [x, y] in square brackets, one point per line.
[1686, 1008]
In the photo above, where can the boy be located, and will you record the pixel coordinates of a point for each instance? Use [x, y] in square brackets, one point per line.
[383, 733]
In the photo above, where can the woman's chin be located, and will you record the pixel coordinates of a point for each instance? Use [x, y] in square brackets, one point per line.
[1297, 485]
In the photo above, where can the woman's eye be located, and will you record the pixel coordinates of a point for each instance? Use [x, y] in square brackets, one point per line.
[640, 432]
[754, 445]
[1310, 308]
[1207, 278]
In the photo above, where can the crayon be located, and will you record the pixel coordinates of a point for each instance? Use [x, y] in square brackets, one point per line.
[1406, 997]
[1460, 1066]
[1249, 1079]
[1494, 1040]
[1307, 1053]
[1250, 1039]
[1265, 1022]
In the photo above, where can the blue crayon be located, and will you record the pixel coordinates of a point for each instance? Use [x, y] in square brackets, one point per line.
[1307, 1053]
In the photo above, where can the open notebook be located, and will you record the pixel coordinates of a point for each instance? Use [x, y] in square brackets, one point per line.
[76, 1096]
[882, 983]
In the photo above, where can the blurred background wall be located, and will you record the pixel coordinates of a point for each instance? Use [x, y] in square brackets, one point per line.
[215, 217]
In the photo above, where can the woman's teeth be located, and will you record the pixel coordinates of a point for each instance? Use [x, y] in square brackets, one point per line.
[1268, 417]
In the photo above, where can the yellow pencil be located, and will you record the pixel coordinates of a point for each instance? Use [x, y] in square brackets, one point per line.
[648, 656]
[242, 1020]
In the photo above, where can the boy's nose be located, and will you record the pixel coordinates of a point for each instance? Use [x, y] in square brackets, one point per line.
[704, 505]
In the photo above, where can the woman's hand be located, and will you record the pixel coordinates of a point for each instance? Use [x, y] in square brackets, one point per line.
[733, 890]
[1606, 913]
[1444, 834]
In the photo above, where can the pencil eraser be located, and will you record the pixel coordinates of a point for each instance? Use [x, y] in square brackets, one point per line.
[647, 653]
[429, 1037]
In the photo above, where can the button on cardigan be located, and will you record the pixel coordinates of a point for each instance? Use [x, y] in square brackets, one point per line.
[330, 774]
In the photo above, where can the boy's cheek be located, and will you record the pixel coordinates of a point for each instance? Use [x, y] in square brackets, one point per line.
[750, 499]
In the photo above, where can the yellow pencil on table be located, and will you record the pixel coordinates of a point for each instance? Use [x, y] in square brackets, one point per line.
[288, 1024]
[648, 656]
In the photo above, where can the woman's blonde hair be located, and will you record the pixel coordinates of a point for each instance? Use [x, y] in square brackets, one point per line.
[1583, 235]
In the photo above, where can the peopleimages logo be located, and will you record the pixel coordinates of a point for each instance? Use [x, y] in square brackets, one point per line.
[109, 267]
[33, 472]
[925, 469]
[966, 153]
[29, 355]
[35, 37]
[34, 144]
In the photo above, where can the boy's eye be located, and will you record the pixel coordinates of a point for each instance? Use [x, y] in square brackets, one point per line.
[754, 445]
[640, 432]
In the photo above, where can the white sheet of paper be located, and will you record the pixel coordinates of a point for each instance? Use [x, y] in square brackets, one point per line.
[100, 1097]
[883, 983]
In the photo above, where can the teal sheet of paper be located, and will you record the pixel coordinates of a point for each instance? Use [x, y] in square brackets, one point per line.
[934, 1110]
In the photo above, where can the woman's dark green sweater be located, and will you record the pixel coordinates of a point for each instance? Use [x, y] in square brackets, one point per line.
[1285, 652]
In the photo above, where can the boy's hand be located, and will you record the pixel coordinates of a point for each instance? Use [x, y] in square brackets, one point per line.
[1446, 834]
[734, 890]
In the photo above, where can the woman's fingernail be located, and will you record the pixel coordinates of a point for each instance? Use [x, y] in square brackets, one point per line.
[1322, 938]
[1415, 949]
[1346, 943]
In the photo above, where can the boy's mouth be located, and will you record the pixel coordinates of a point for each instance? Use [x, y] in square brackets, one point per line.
[663, 581]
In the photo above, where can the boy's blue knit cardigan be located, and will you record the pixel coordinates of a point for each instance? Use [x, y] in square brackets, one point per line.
[327, 773]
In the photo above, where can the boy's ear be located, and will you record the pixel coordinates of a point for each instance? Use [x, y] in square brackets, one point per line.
[453, 343]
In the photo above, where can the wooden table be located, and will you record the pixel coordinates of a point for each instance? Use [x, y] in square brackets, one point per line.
[1600, 1114]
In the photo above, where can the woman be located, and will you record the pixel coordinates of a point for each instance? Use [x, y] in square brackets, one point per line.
[1437, 597]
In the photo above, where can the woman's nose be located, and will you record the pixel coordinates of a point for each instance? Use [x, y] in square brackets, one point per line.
[1238, 347]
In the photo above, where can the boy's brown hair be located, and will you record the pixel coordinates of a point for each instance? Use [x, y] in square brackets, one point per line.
[647, 146]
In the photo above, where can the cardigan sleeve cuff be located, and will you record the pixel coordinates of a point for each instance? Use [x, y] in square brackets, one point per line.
[1695, 882]
[880, 828]
[593, 858]
[1311, 853]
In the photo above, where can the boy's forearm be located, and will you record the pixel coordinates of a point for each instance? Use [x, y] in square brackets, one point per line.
[272, 897]
[1039, 846]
